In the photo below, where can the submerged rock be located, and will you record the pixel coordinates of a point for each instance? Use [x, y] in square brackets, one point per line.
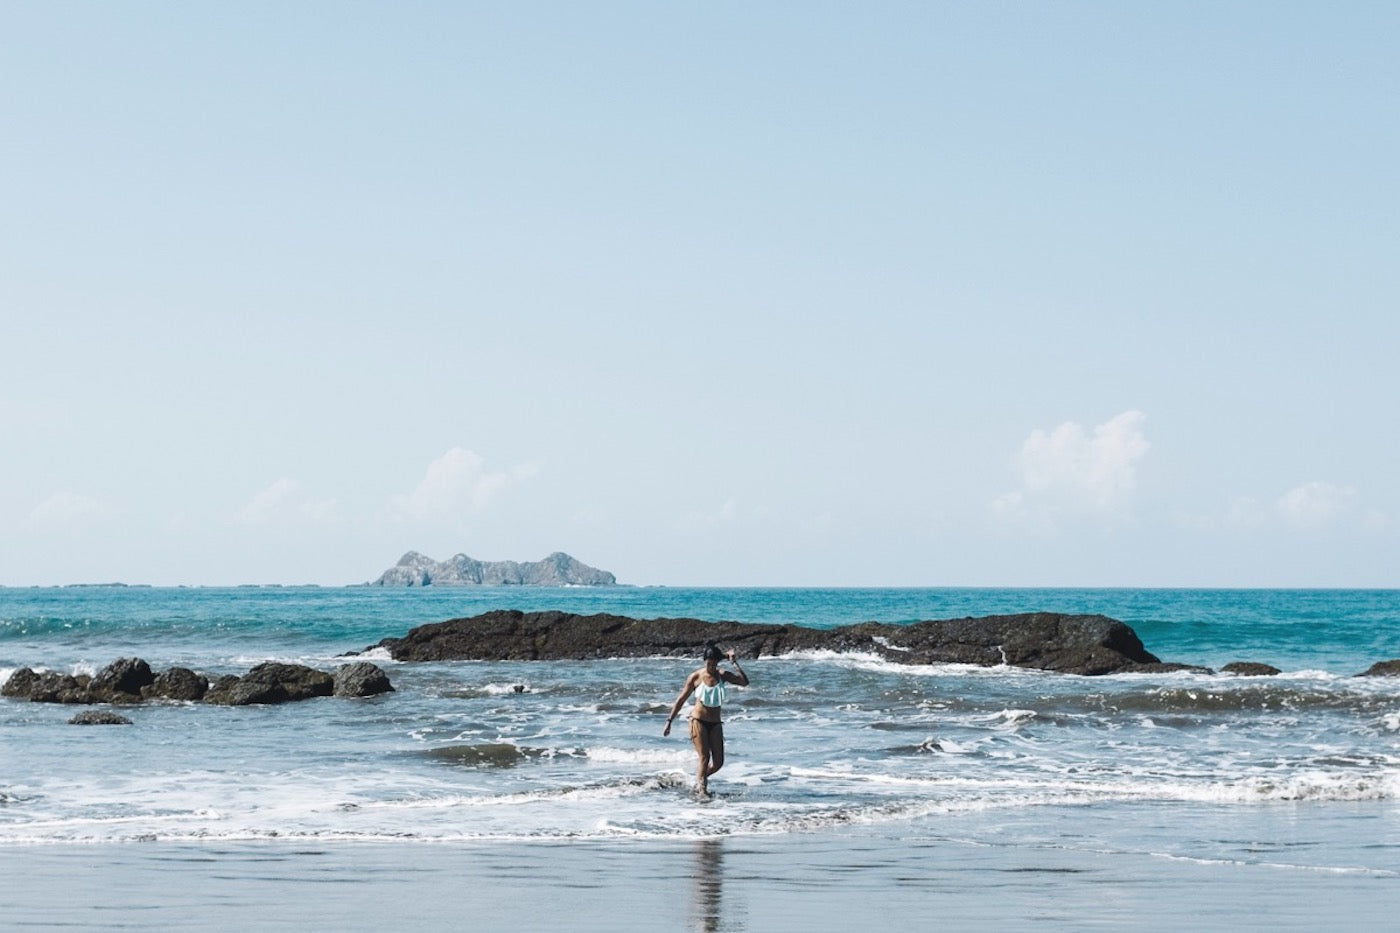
[1078, 644]
[1389, 668]
[1250, 669]
[486, 755]
[98, 717]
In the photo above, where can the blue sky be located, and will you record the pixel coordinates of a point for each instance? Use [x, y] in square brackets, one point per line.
[718, 294]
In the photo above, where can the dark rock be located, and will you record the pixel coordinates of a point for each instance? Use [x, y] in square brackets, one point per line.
[121, 681]
[20, 684]
[1250, 669]
[297, 680]
[361, 679]
[1164, 667]
[178, 683]
[1079, 644]
[98, 717]
[47, 687]
[220, 688]
[1389, 668]
[271, 682]
[241, 693]
[1043, 641]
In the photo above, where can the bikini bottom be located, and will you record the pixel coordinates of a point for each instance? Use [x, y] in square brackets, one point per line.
[709, 729]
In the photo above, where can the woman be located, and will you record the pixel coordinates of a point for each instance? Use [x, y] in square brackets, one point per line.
[706, 729]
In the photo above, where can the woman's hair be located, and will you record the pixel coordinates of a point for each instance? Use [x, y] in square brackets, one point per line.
[712, 652]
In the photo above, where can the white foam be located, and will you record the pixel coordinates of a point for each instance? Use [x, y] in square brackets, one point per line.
[640, 756]
[1011, 718]
[1289, 866]
[501, 689]
[875, 663]
[379, 653]
[215, 806]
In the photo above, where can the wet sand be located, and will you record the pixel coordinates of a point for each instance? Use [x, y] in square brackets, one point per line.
[795, 882]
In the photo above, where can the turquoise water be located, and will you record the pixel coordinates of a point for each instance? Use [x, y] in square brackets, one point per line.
[1341, 631]
[1280, 781]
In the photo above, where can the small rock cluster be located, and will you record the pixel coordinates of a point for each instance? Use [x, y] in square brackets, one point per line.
[128, 681]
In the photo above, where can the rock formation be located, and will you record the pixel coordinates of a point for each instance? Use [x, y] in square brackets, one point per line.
[129, 681]
[271, 682]
[178, 683]
[558, 569]
[47, 687]
[122, 680]
[361, 679]
[1078, 644]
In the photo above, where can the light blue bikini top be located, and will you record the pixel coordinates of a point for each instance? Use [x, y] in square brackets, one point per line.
[711, 696]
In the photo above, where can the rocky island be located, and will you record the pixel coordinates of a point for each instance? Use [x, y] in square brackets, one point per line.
[558, 569]
[1048, 641]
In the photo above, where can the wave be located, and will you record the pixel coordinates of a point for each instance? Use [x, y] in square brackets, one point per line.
[952, 793]
[658, 805]
[1285, 696]
[874, 663]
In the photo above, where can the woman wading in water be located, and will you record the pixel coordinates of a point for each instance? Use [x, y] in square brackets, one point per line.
[706, 729]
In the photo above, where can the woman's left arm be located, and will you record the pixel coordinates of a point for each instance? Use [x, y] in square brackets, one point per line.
[740, 679]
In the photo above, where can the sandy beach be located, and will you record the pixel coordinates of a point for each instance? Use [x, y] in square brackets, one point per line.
[857, 792]
[830, 880]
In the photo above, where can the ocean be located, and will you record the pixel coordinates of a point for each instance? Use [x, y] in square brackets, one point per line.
[519, 794]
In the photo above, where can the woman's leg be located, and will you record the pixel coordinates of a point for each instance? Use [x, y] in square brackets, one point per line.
[716, 744]
[701, 740]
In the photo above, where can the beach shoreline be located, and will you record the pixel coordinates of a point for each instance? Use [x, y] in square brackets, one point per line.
[533, 795]
[903, 880]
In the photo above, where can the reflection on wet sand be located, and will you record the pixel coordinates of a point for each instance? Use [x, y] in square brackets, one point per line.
[709, 885]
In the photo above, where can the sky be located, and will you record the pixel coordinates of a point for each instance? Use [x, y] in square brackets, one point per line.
[722, 294]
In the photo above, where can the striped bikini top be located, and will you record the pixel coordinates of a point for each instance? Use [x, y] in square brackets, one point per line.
[711, 696]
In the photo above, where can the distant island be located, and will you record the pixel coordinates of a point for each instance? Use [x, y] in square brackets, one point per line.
[558, 569]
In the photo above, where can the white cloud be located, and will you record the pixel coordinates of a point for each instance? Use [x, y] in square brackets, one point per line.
[1246, 512]
[1315, 503]
[1376, 520]
[1308, 505]
[457, 484]
[68, 509]
[284, 501]
[701, 520]
[1070, 470]
[730, 513]
[267, 504]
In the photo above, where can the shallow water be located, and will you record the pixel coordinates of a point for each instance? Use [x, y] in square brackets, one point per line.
[1140, 786]
[820, 881]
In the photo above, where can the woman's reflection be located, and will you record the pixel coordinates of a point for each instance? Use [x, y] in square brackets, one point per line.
[709, 884]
